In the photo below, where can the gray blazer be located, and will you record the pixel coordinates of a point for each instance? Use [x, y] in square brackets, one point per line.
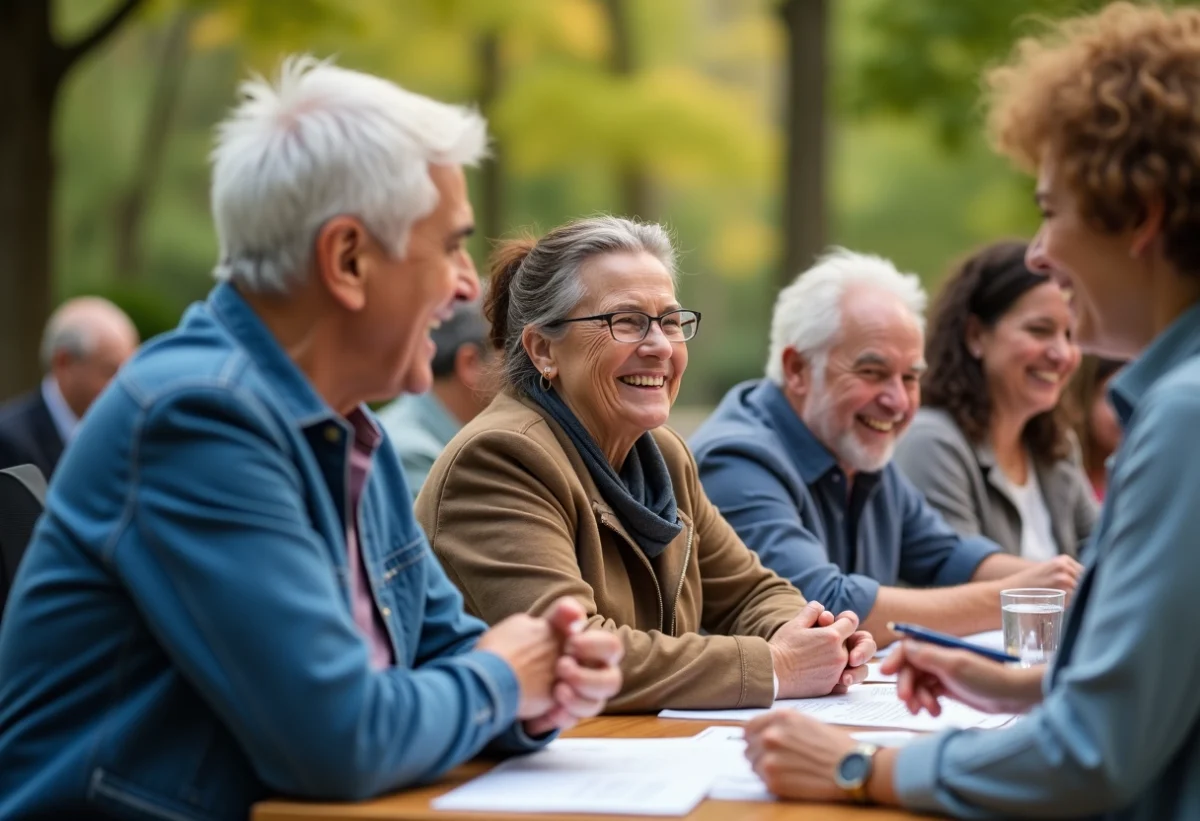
[957, 478]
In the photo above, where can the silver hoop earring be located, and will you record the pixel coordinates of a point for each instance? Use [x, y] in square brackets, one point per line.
[545, 380]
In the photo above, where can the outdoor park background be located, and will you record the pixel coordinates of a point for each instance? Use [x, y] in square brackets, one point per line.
[760, 131]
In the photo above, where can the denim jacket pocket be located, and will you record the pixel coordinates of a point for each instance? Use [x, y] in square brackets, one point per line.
[123, 799]
[402, 581]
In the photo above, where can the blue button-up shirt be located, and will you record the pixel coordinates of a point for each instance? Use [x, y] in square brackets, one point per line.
[1118, 733]
[179, 641]
[786, 497]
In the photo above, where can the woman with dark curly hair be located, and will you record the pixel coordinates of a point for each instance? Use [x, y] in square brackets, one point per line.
[1105, 109]
[992, 447]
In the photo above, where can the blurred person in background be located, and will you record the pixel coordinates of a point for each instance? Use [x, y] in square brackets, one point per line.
[85, 341]
[1096, 422]
[571, 484]
[800, 463]
[1105, 109]
[421, 425]
[992, 446]
[227, 595]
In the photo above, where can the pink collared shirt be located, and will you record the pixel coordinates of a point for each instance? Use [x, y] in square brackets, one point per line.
[366, 615]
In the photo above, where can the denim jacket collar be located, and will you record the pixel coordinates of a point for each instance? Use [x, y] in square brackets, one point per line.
[291, 385]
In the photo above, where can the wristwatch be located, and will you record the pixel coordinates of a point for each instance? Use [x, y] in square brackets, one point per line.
[854, 770]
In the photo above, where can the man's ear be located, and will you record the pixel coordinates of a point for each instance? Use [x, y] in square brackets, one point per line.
[344, 257]
[60, 362]
[539, 348]
[797, 374]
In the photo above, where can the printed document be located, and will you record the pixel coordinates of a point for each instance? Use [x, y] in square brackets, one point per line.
[623, 776]
[871, 705]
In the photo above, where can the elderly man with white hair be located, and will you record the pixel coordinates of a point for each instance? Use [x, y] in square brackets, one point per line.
[228, 595]
[86, 340]
[799, 463]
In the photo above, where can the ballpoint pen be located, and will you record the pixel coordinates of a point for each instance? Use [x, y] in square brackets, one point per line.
[933, 637]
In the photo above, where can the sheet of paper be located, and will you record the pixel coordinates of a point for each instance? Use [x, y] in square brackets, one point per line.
[874, 705]
[992, 639]
[596, 775]
[736, 781]
[880, 738]
[876, 677]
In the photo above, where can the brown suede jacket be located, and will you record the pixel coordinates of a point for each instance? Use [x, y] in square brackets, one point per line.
[512, 513]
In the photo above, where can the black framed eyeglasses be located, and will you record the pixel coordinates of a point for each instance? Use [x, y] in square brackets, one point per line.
[633, 326]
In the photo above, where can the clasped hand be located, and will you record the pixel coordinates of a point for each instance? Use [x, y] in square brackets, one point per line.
[816, 654]
[565, 673]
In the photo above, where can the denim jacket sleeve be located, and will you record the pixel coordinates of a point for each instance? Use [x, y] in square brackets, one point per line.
[747, 485]
[218, 554]
[448, 635]
[1124, 706]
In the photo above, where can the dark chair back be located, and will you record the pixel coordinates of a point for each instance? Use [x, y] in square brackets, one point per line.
[22, 496]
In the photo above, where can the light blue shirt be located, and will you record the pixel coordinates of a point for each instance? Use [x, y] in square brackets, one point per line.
[1118, 733]
[64, 419]
[420, 427]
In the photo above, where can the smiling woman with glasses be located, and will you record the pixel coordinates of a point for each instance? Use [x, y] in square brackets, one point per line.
[570, 483]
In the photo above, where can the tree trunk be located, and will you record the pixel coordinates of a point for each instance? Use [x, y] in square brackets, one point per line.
[804, 205]
[33, 66]
[635, 185]
[491, 174]
[26, 177]
[131, 207]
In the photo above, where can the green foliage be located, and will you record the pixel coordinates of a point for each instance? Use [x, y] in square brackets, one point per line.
[152, 312]
[926, 57]
[909, 175]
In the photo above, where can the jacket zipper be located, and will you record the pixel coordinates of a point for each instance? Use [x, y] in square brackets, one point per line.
[657, 590]
[687, 557]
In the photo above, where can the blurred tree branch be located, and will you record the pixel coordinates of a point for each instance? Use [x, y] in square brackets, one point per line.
[804, 197]
[131, 205]
[635, 184]
[34, 66]
[69, 55]
[491, 174]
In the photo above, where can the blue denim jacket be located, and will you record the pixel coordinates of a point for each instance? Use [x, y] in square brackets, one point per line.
[179, 640]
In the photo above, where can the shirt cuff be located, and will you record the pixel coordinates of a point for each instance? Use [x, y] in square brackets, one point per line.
[516, 740]
[502, 687]
[859, 594]
[914, 774]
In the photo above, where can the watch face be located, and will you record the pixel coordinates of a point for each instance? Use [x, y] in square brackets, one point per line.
[854, 768]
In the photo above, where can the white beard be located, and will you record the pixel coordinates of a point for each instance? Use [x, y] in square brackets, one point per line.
[846, 446]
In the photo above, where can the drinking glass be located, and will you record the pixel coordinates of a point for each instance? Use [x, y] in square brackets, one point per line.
[1032, 623]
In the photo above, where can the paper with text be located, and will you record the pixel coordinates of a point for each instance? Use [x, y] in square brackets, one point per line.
[736, 780]
[622, 776]
[874, 705]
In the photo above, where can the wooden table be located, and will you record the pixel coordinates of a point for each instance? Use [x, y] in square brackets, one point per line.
[414, 804]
